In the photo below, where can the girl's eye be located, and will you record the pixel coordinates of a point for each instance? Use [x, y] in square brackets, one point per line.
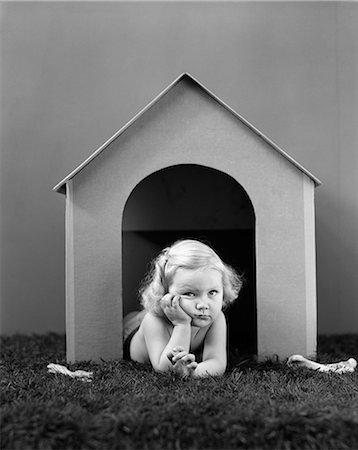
[213, 293]
[188, 294]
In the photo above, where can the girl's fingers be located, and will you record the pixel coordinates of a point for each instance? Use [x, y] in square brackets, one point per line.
[166, 302]
[178, 356]
[184, 356]
[170, 301]
[167, 299]
[175, 301]
[170, 356]
[189, 358]
[175, 351]
[193, 365]
[170, 305]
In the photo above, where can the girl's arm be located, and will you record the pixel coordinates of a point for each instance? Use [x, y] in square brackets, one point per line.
[160, 342]
[214, 355]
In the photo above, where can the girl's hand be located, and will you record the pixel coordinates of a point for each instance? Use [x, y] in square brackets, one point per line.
[184, 363]
[170, 304]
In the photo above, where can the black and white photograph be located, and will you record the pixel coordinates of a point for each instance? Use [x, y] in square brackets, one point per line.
[179, 225]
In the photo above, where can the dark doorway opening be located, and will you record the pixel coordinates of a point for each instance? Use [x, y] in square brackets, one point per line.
[193, 201]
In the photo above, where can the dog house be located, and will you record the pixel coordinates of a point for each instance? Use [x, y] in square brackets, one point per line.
[187, 165]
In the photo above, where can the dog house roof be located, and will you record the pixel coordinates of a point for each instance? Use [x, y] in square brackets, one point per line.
[61, 186]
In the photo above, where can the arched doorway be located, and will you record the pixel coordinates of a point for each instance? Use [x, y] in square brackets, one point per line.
[193, 201]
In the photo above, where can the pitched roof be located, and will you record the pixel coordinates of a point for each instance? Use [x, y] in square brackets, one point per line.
[60, 187]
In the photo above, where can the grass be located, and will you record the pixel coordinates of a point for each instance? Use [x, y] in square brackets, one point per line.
[128, 406]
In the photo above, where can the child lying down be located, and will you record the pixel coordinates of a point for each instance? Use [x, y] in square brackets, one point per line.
[182, 326]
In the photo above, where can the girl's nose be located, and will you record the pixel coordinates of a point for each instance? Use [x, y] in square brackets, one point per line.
[202, 306]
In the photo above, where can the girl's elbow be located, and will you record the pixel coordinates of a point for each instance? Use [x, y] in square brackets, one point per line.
[219, 370]
[161, 366]
[215, 370]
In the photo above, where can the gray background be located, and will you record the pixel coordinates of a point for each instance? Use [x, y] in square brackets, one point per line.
[73, 73]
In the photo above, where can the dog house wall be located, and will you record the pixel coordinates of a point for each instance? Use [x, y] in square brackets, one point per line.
[188, 126]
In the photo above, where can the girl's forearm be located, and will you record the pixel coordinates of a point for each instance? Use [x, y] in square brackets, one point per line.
[210, 367]
[180, 337]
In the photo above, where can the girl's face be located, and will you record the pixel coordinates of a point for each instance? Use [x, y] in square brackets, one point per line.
[201, 294]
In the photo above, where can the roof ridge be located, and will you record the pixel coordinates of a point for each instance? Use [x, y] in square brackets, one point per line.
[60, 187]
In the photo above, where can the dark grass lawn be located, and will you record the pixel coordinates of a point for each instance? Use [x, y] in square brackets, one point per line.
[128, 406]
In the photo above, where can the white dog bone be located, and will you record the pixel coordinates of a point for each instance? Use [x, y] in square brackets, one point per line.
[338, 367]
[343, 366]
[82, 374]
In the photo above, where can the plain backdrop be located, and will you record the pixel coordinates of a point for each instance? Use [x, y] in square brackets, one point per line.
[73, 73]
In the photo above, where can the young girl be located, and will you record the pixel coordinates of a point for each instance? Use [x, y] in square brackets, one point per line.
[182, 326]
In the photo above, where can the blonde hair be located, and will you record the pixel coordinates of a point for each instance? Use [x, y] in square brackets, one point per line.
[187, 254]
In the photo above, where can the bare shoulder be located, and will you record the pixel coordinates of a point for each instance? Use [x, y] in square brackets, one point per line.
[152, 330]
[150, 318]
[153, 322]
